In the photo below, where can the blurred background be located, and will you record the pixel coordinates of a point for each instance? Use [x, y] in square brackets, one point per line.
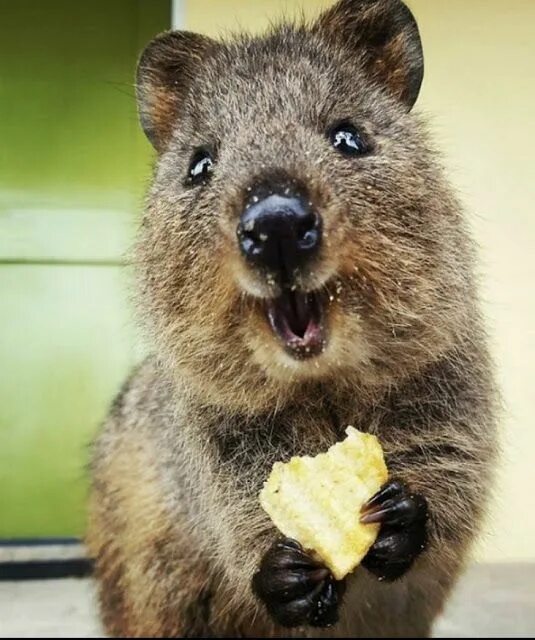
[73, 169]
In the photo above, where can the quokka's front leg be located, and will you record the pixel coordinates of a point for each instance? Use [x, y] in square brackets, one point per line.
[403, 535]
[296, 589]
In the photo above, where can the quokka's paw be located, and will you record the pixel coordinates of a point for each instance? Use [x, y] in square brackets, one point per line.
[296, 589]
[403, 534]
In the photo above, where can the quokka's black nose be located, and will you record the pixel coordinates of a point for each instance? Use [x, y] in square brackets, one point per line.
[279, 233]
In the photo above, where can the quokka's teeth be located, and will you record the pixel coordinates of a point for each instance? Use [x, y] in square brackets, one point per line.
[317, 501]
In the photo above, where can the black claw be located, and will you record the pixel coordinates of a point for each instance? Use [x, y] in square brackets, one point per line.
[401, 512]
[389, 490]
[289, 555]
[289, 543]
[295, 588]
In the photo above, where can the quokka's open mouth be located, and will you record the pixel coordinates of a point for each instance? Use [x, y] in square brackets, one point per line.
[297, 319]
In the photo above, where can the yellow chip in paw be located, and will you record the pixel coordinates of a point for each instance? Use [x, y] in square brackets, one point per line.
[317, 501]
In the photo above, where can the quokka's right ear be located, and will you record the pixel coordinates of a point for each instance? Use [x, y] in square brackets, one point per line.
[165, 71]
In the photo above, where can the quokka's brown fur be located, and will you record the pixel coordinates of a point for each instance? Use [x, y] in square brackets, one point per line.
[175, 524]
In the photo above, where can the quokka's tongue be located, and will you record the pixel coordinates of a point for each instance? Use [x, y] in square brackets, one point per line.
[298, 309]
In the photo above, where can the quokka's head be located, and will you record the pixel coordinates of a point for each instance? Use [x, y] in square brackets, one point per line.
[298, 227]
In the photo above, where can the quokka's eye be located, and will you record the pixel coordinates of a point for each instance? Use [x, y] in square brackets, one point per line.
[201, 167]
[347, 139]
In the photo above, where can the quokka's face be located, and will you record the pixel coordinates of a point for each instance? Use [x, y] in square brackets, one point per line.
[297, 226]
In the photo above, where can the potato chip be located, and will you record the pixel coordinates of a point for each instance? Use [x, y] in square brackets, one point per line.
[317, 500]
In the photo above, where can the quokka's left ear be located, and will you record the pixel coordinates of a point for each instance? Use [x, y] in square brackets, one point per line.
[384, 37]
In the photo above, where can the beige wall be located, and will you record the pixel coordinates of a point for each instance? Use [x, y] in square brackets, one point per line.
[479, 96]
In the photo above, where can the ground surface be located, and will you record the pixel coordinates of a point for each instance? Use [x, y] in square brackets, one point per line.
[491, 601]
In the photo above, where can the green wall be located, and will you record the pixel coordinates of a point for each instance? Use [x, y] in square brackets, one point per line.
[73, 168]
